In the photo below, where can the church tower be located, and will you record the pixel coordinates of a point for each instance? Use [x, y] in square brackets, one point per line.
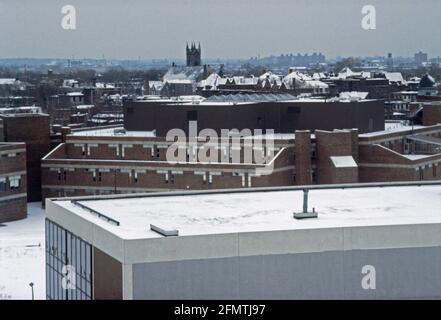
[193, 55]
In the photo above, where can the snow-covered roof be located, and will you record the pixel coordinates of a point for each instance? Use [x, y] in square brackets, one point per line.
[8, 81]
[111, 132]
[211, 82]
[262, 211]
[69, 83]
[179, 81]
[301, 80]
[395, 77]
[85, 106]
[101, 85]
[183, 73]
[241, 80]
[157, 85]
[75, 94]
[353, 95]
[344, 162]
[346, 73]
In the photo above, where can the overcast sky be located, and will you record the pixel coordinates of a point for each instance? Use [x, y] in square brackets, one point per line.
[225, 28]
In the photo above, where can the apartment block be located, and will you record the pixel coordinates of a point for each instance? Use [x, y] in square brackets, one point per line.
[13, 203]
[113, 160]
[33, 130]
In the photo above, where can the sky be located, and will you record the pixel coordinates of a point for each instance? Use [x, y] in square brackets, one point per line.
[153, 29]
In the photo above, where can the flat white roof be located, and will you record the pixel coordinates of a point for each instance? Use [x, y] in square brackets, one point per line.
[262, 211]
[391, 129]
[110, 132]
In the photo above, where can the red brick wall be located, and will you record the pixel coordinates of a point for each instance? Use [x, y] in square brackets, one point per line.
[303, 158]
[335, 143]
[13, 209]
[34, 131]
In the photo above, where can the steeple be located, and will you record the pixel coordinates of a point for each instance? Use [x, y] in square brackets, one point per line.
[193, 54]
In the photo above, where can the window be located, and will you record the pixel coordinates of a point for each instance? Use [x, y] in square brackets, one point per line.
[2, 184]
[66, 251]
[14, 182]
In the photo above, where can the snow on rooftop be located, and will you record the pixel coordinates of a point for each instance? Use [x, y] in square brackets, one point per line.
[344, 162]
[416, 156]
[353, 95]
[8, 81]
[264, 211]
[112, 132]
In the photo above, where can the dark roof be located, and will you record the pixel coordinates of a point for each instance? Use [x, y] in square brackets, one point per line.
[427, 81]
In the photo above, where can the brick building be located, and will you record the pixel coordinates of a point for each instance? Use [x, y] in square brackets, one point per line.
[33, 129]
[283, 113]
[108, 161]
[13, 204]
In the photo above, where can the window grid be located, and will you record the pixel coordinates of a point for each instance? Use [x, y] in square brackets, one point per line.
[64, 248]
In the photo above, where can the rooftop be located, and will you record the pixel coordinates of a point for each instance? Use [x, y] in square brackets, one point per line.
[200, 213]
[113, 132]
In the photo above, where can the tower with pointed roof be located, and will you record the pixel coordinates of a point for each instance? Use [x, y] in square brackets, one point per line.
[194, 55]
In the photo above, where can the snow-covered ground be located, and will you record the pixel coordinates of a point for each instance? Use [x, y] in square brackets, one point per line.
[22, 256]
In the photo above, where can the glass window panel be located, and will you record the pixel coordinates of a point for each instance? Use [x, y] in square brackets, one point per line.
[63, 245]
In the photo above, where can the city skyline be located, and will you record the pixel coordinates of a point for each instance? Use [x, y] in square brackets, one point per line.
[157, 30]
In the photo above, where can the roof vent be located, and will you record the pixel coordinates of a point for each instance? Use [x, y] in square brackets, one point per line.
[164, 232]
[305, 214]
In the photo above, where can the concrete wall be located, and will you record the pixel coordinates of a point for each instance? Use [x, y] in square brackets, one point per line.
[399, 273]
[301, 263]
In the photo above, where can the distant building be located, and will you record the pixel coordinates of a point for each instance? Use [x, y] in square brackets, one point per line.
[420, 58]
[176, 88]
[380, 85]
[193, 55]
[427, 87]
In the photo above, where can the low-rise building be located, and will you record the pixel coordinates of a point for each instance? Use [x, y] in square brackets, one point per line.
[33, 130]
[13, 195]
[367, 243]
[114, 160]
